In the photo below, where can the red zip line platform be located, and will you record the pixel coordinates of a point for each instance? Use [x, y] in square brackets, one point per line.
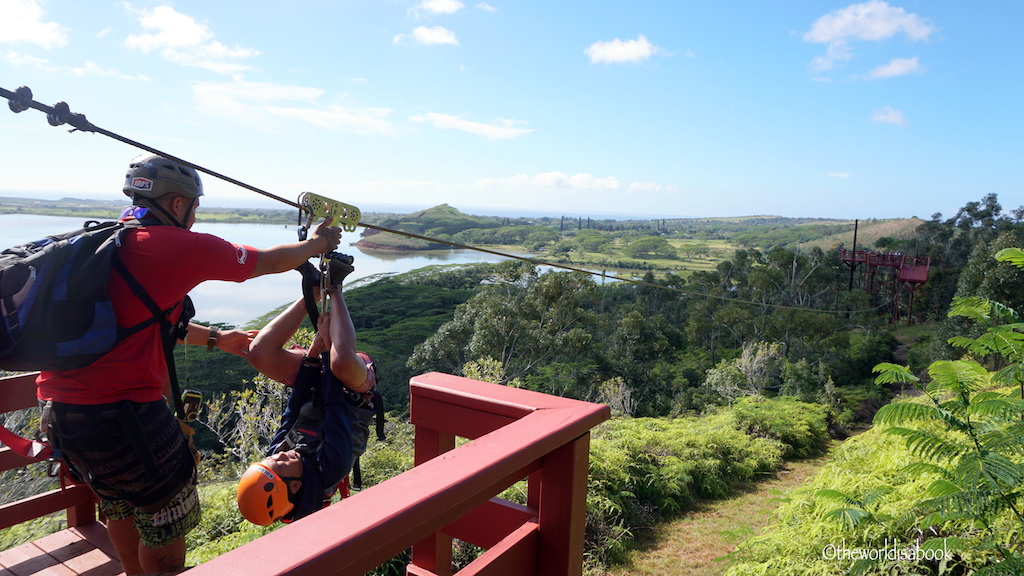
[450, 493]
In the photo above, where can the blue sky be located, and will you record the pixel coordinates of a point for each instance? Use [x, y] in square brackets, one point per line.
[653, 108]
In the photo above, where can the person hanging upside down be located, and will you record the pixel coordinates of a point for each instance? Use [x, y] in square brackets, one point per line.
[325, 425]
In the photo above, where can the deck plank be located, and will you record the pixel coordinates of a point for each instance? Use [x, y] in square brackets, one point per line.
[83, 551]
[29, 560]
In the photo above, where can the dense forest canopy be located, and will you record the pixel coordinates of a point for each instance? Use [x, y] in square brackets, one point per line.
[711, 317]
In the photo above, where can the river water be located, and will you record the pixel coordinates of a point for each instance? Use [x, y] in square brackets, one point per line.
[237, 304]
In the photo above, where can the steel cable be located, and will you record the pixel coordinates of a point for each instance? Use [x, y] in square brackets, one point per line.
[60, 114]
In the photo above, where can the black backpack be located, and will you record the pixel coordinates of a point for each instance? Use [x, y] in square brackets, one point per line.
[56, 312]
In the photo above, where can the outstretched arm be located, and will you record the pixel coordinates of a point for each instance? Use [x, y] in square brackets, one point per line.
[287, 256]
[267, 353]
[231, 341]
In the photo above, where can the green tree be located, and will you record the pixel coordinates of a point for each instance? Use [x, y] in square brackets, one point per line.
[650, 247]
[521, 327]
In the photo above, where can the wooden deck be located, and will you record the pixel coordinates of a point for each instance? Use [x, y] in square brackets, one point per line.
[84, 551]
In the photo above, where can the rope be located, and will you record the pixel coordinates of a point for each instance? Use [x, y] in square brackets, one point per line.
[60, 113]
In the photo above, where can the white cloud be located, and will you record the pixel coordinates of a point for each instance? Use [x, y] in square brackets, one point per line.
[896, 67]
[429, 36]
[887, 115]
[643, 187]
[180, 39]
[17, 59]
[439, 6]
[870, 21]
[485, 7]
[339, 118]
[90, 68]
[250, 101]
[843, 175]
[554, 181]
[502, 130]
[620, 51]
[24, 21]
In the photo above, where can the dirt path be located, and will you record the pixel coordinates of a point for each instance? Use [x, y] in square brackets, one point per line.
[689, 546]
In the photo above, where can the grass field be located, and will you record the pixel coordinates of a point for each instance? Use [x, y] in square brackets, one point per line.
[696, 543]
[868, 232]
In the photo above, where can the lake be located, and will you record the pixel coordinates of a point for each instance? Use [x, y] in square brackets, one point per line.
[237, 304]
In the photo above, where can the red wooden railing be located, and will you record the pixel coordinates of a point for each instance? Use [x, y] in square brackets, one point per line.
[452, 493]
[18, 393]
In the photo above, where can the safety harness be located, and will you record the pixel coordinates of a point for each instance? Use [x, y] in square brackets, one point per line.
[373, 396]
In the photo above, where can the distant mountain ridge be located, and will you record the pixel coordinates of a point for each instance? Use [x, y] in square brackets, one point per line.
[443, 221]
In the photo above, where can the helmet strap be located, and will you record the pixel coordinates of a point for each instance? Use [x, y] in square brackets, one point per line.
[163, 214]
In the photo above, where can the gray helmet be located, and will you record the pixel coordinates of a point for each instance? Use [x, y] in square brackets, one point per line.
[152, 176]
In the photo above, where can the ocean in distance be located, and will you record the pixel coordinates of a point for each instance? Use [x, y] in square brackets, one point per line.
[238, 304]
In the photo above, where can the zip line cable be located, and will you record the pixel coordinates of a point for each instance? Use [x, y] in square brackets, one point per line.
[60, 114]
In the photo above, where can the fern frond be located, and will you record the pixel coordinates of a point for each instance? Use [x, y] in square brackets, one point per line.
[950, 543]
[1014, 256]
[971, 307]
[1011, 375]
[991, 471]
[972, 345]
[837, 495]
[1012, 566]
[1005, 440]
[957, 376]
[922, 468]
[941, 488]
[957, 505]
[901, 412]
[889, 373]
[875, 494]
[849, 517]
[995, 406]
[953, 415]
[1003, 341]
[927, 445]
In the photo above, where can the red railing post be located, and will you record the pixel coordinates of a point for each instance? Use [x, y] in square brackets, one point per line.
[563, 509]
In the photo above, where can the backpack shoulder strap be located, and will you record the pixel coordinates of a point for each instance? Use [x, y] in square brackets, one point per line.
[169, 333]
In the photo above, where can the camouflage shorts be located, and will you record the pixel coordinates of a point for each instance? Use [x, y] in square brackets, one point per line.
[164, 526]
[136, 459]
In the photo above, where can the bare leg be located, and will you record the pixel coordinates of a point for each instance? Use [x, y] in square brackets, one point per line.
[125, 539]
[170, 558]
[345, 364]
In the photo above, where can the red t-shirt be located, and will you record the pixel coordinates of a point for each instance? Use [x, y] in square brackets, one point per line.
[168, 262]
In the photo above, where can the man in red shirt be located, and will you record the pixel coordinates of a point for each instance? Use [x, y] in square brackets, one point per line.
[110, 420]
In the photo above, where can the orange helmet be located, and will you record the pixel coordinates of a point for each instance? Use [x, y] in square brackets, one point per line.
[263, 495]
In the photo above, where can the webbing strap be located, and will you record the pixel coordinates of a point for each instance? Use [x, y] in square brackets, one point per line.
[24, 446]
[357, 475]
[167, 332]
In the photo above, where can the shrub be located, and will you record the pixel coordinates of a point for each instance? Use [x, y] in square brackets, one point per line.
[800, 426]
[643, 470]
